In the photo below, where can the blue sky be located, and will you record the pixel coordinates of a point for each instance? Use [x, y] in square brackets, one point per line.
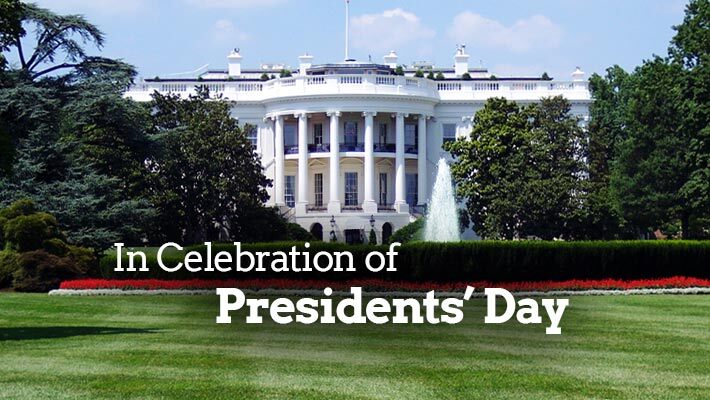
[509, 37]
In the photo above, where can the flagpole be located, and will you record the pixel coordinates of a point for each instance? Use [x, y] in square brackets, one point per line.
[347, 29]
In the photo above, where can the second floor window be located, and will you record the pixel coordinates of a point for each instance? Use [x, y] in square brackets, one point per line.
[383, 133]
[410, 135]
[449, 133]
[350, 132]
[318, 134]
[252, 136]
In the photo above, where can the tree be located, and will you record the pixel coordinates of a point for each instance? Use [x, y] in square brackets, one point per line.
[690, 48]
[57, 37]
[652, 166]
[520, 170]
[74, 145]
[372, 238]
[10, 26]
[601, 218]
[206, 176]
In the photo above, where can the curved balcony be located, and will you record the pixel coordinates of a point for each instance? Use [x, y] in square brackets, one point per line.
[352, 147]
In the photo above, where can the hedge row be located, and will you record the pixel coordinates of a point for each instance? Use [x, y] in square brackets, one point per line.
[499, 261]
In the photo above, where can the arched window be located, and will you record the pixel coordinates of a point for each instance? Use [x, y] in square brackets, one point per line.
[317, 231]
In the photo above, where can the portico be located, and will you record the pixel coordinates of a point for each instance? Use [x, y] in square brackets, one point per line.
[336, 161]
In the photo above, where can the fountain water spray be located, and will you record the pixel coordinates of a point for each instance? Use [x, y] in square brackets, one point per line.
[442, 221]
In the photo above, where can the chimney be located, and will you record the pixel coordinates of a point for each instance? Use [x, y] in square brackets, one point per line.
[578, 75]
[304, 62]
[461, 60]
[391, 59]
[235, 63]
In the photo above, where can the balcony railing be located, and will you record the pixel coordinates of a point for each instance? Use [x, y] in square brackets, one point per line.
[477, 89]
[385, 147]
[355, 147]
[352, 147]
[319, 148]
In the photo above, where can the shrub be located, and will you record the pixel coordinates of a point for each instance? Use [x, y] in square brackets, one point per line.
[28, 232]
[419, 73]
[399, 70]
[264, 77]
[439, 76]
[40, 271]
[285, 73]
[296, 233]
[430, 75]
[20, 207]
[409, 232]
[8, 266]
[466, 76]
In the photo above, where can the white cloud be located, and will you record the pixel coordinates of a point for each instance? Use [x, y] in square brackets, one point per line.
[99, 6]
[534, 32]
[224, 31]
[388, 30]
[234, 3]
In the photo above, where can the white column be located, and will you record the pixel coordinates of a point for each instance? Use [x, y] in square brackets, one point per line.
[279, 180]
[400, 193]
[334, 202]
[302, 199]
[421, 162]
[369, 205]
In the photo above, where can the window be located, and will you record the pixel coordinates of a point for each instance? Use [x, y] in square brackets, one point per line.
[412, 190]
[252, 136]
[449, 133]
[290, 138]
[318, 180]
[290, 134]
[351, 133]
[290, 187]
[318, 134]
[351, 189]
[410, 135]
[383, 133]
[383, 189]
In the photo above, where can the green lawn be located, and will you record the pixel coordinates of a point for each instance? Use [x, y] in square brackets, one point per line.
[651, 347]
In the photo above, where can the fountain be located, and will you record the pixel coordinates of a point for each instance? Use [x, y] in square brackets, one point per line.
[442, 222]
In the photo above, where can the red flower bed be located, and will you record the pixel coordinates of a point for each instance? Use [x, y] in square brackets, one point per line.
[382, 285]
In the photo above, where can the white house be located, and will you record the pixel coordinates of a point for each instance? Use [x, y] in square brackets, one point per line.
[353, 146]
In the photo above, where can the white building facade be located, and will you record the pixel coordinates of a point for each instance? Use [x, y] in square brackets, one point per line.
[352, 147]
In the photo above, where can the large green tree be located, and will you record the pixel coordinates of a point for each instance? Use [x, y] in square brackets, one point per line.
[661, 177]
[77, 146]
[520, 168]
[601, 218]
[206, 177]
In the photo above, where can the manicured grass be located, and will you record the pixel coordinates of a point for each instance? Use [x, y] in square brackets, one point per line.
[649, 347]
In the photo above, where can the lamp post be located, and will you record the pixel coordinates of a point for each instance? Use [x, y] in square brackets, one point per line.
[333, 238]
[372, 221]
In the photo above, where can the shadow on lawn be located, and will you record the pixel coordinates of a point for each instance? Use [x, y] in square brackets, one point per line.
[57, 332]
